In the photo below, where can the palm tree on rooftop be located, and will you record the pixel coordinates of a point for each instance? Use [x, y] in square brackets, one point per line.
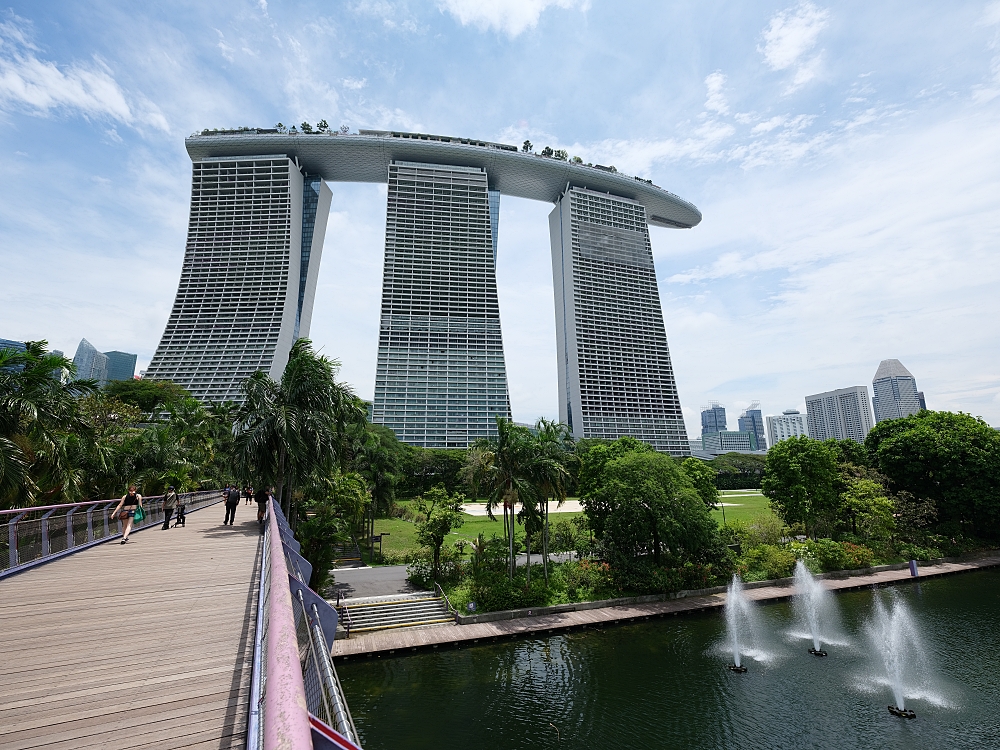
[555, 444]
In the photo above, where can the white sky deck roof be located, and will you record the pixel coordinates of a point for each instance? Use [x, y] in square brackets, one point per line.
[366, 157]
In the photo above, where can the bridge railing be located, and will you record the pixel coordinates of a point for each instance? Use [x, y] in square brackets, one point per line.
[31, 535]
[296, 701]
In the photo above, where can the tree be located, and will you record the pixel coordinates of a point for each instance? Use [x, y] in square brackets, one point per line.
[595, 454]
[41, 427]
[322, 126]
[330, 507]
[702, 478]
[547, 151]
[526, 147]
[148, 395]
[848, 451]
[560, 154]
[576, 160]
[643, 504]
[506, 470]
[800, 482]
[866, 508]
[441, 515]
[950, 459]
[293, 428]
[738, 471]
[555, 442]
[306, 127]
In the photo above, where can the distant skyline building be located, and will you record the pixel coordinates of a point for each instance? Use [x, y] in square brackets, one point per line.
[121, 365]
[90, 364]
[753, 421]
[844, 414]
[730, 441]
[441, 379]
[920, 398]
[615, 373]
[9, 344]
[713, 418]
[790, 423]
[894, 391]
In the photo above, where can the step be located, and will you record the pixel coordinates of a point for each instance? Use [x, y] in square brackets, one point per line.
[394, 614]
[421, 623]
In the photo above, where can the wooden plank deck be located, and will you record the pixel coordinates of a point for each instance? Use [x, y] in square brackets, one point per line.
[146, 645]
[387, 642]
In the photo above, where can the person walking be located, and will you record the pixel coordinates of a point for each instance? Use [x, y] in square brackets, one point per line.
[169, 503]
[248, 494]
[181, 516]
[125, 510]
[261, 496]
[232, 495]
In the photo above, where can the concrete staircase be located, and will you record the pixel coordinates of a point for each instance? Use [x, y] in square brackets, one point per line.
[347, 555]
[365, 615]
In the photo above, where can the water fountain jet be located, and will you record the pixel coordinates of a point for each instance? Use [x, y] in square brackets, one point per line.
[894, 636]
[814, 605]
[741, 624]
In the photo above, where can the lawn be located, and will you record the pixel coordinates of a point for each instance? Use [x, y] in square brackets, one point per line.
[402, 540]
[402, 537]
[741, 505]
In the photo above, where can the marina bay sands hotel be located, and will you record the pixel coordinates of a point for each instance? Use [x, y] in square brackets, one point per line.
[259, 208]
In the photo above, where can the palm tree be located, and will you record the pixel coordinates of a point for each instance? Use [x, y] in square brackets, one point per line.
[40, 423]
[555, 443]
[512, 469]
[290, 429]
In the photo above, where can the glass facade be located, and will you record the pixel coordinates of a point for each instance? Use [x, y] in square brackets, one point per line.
[894, 391]
[615, 373]
[311, 188]
[441, 379]
[713, 418]
[121, 365]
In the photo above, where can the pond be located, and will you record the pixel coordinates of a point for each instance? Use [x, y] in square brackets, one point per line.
[664, 684]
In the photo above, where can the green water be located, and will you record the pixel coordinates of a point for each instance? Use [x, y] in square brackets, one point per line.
[663, 684]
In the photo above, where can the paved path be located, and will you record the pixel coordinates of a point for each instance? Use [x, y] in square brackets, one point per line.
[479, 509]
[146, 645]
[393, 641]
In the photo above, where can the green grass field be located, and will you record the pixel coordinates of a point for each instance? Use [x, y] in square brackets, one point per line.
[402, 540]
[741, 505]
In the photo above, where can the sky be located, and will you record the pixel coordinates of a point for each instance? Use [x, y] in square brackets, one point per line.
[845, 156]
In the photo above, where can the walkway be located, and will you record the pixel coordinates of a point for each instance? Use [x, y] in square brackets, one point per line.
[147, 645]
[388, 642]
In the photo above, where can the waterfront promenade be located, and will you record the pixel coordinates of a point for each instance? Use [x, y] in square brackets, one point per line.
[143, 645]
[399, 642]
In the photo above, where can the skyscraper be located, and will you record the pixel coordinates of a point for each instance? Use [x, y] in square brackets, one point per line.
[441, 379]
[842, 414]
[121, 365]
[894, 391]
[254, 241]
[90, 364]
[615, 373]
[789, 424]
[752, 421]
[713, 418]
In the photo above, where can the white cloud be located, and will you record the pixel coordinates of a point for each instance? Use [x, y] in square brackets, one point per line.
[789, 37]
[716, 100]
[40, 86]
[509, 16]
[354, 83]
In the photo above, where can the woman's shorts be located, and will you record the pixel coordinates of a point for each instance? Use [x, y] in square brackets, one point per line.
[126, 514]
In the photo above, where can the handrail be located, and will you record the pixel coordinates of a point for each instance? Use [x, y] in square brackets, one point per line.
[297, 702]
[41, 533]
[447, 601]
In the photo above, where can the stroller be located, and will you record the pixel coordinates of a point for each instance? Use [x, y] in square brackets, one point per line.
[181, 517]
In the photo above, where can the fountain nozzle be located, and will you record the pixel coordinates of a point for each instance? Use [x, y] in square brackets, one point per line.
[817, 652]
[734, 668]
[903, 713]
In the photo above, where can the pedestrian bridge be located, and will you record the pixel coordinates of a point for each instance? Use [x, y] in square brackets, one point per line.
[201, 636]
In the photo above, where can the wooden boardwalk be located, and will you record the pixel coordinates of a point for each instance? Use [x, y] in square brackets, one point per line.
[402, 641]
[146, 645]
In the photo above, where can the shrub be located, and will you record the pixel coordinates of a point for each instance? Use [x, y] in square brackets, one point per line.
[858, 556]
[562, 537]
[586, 580]
[493, 591]
[765, 562]
[915, 552]
[420, 570]
[830, 554]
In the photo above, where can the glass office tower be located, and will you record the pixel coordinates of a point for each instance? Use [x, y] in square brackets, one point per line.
[441, 379]
[615, 374]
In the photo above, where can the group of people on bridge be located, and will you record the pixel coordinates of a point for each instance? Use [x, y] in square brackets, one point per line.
[231, 495]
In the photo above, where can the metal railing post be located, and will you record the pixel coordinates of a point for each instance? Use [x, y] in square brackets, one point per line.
[90, 523]
[70, 536]
[12, 539]
[107, 528]
[45, 533]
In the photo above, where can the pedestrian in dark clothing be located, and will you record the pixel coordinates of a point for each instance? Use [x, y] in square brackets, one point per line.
[125, 510]
[232, 495]
[169, 503]
[261, 496]
[248, 494]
